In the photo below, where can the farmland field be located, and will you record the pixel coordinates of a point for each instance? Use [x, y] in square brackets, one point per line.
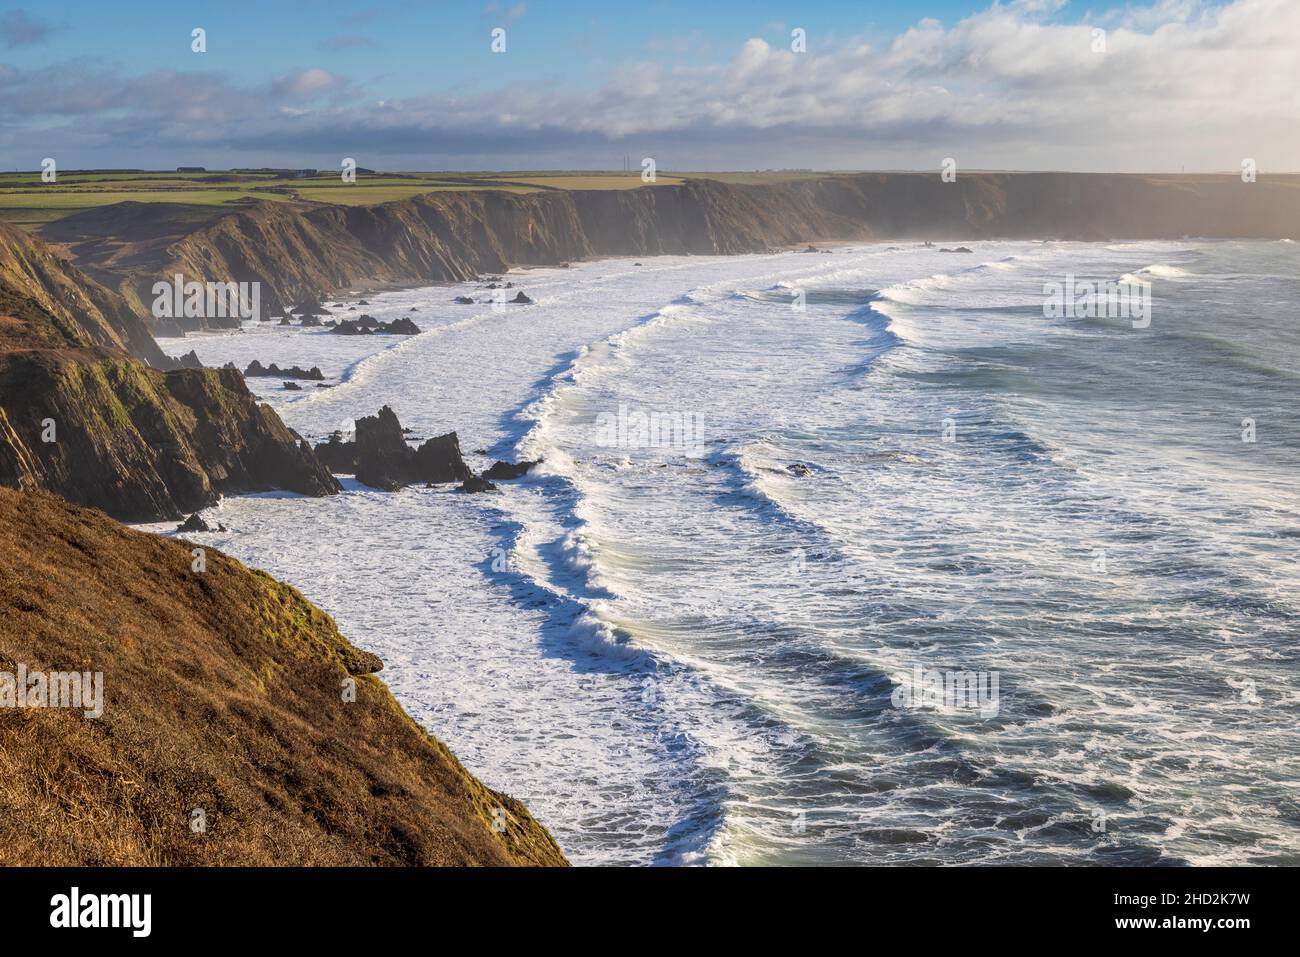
[28, 202]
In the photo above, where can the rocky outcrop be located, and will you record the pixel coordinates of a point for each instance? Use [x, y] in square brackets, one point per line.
[509, 470]
[81, 416]
[367, 325]
[255, 368]
[381, 458]
[476, 483]
[227, 697]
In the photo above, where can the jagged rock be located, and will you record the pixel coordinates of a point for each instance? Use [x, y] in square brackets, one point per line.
[309, 308]
[463, 301]
[189, 361]
[398, 327]
[255, 368]
[194, 523]
[402, 327]
[476, 483]
[504, 471]
[381, 458]
[521, 298]
[959, 249]
[798, 468]
[439, 460]
[412, 309]
[292, 387]
[309, 321]
[363, 302]
[349, 328]
[338, 456]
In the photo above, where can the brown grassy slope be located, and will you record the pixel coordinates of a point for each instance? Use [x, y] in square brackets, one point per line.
[222, 692]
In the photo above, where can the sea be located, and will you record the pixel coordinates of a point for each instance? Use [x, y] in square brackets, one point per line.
[864, 556]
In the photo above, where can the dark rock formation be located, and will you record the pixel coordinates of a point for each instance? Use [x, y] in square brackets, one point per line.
[291, 387]
[309, 308]
[367, 325]
[194, 523]
[798, 468]
[476, 483]
[402, 327]
[463, 301]
[338, 456]
[439, 460]
[508, 470]
[381, 458]
[521, 298]
[255, 368]
[189, 361]
[349, 327]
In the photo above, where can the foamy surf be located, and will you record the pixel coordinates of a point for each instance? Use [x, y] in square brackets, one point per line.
[708, 635]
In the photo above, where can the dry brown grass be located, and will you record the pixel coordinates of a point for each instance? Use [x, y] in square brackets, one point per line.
[223, 691]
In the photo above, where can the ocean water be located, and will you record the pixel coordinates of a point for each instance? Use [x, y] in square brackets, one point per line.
[686, 637]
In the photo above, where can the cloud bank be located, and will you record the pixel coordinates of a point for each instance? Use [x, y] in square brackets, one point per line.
[1175, 84]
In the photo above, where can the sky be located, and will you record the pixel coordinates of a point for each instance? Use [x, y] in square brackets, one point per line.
[1163, 85]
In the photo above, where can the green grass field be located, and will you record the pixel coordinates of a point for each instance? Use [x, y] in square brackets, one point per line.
[28, 202]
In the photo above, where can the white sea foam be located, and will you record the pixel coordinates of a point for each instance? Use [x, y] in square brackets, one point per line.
[703, 642]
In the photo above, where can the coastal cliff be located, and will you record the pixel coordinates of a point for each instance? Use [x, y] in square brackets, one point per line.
[300, 252]
[84, 412]
[238, 726]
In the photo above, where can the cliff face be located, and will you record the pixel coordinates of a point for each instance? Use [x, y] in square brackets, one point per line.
[301, 253]
[78, 311]
[238, 726]
[82, 416]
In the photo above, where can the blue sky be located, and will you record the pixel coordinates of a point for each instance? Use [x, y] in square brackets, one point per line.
[703, 85]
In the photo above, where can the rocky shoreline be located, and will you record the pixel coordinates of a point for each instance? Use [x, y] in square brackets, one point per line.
[312, 255]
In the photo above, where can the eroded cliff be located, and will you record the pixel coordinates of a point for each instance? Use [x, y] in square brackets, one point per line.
[301, 252]
[81, 415]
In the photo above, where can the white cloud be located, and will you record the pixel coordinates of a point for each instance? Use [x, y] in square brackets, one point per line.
[1181, 83]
